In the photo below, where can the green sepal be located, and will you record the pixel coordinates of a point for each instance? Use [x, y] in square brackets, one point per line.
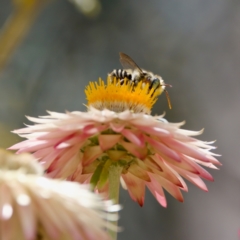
[122, 162]
[96, 175]
[104, 174]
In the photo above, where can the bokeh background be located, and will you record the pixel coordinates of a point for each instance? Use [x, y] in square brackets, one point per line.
[193, 44]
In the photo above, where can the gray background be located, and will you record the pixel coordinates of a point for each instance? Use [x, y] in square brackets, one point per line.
[193, 44]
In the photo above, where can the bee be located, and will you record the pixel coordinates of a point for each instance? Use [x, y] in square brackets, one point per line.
[133, 73]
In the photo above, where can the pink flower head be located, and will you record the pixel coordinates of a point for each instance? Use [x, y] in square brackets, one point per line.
[35, 207]
[81, 146]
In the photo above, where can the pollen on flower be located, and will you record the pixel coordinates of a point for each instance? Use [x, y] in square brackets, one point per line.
[120, 97]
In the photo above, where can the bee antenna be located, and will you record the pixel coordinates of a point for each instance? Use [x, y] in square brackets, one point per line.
[168, 98]
[167, 85]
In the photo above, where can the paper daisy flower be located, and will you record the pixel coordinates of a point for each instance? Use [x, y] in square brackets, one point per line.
[117, 130]
[35, 207]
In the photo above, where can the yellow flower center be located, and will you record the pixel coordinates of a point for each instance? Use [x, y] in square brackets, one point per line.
[120, 97]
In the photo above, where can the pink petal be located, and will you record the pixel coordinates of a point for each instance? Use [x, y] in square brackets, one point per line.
[126, 115]
[139, 172]
[90, 154]
[92, 129]
[170, 187]
[69, 225]
[56, 115]
[142, 164]
[33, 145]
[186, 149]
[23, 144]
[115, 155]
[161, 199]
[206, 164]
[214, 160]
[64, 158]
[53, 156]
[51, 216]
[123, 184]
[185, 132]
[135, 138]
[161, 148]
[107, 141]
[157, 191]
[167, 172]
[83, 178]
[195, 179]
[52, 173]
[183, 164]
[77, 172]
[44, 219]
[41, 153]
[183, 185]
[6, 209]
[38, 120]
[117, 127]
[202, 172]
[136, 187]
[155, 131]
[71, 165]
[65, 140]
[70, 141]
[143, 120]
[135, 150]
[25, 210]
[57, 134]
[89, 169]
[150, 163]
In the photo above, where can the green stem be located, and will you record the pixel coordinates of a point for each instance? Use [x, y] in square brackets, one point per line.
[114, 184]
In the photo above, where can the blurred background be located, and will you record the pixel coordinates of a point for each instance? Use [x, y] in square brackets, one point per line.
[50, 50]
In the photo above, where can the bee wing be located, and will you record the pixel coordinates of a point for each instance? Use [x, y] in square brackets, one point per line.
[127, 62]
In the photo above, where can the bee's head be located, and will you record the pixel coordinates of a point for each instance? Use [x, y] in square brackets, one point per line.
[160, 86]
[157, 83]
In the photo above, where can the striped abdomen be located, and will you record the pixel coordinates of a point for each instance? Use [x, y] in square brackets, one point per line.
[120, 74]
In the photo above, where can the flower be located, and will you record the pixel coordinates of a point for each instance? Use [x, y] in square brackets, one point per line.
[118, 130]
[35, 207]
[24, 162]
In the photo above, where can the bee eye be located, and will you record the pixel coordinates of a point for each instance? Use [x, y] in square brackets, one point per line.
[155, 83]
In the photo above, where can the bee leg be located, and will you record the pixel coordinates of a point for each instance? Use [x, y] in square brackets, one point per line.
[121, 81]
[112, 75]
